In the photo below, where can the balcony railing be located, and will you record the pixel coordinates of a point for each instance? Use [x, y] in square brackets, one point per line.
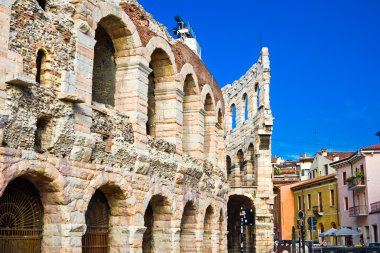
[318, 210]
[375, 207]
[358, 211]
[356, 183]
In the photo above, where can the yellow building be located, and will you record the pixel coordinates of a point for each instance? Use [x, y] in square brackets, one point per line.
[317, 197]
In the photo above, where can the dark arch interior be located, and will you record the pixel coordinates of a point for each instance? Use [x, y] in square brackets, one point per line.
[21, 218]
[237, 203]
[104, 69]
[41, 57]
[97, 221]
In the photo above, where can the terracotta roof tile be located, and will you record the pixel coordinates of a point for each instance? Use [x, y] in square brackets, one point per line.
[373, 147]
[341, 155]
[313, 180]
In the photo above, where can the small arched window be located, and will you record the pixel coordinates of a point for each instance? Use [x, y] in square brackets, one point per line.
[233, 116]
[228, 165]
[41, 65]
[42, 4]
[257, 90]
[245, 101]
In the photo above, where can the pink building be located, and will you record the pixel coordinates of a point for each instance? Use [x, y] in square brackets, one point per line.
[359, 192]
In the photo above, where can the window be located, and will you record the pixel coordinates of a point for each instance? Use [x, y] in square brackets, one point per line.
[375, 234]
[345, 203]
[41, 66]
[320, 201]
[264, 142]
[299, 203]
[308, 201]
[245, 100]
[233, 115]
[326, 169]
[344, 178]
[332, 200]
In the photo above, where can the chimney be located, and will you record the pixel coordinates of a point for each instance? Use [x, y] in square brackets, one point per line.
[336, 158]
[324, 152]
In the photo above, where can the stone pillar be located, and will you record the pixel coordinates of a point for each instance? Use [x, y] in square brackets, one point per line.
[192, 127]
[166, 240]
[250, 175]
[210, 143]
[63, 238]
[131, 95]
[221, 160]
[168, 118]
[236, 175]
[135, 238]
[5, 13]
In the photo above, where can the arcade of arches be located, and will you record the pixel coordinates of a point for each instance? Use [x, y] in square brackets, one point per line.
[114, 137]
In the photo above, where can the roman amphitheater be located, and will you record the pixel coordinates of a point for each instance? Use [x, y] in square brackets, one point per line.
[116, 138]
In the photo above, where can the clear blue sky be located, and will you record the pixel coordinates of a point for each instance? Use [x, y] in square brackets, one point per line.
[325, 60]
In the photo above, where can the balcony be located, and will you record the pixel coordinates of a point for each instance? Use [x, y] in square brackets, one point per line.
[318, 210]
[357, 211]
[375, 207]
[356, 183]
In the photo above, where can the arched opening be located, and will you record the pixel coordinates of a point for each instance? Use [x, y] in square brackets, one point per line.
[251, 152]
[240, 161]
[104, 68]
[41, 66]
[21, 218]
[162, 69]
[209, 125]
[188, 229]
[43, 135]
[207, 230]
[189, 113]
[233, 116]
[228, 165]
[220, 118]
[97, 221]
[257, 91]
[245, 102]
[240, 218]
[157, 220]
[42, 4]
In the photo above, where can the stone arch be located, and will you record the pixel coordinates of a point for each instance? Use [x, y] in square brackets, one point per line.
[208, 230]
[117, 194]
[161, 81]
[188, 69]
[50, 184]
[220, 134]
[111, 185]
[129, 37]
[236, 204]
[157, 220]
[188, 227]
[191, 107]
[208, 102]
[207, 90]
[113, 37]
[160, 43]
[21, 217]
[47, 179]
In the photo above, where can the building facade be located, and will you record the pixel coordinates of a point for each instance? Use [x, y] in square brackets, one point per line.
[359, 194]
[317, 198]
[115, 136]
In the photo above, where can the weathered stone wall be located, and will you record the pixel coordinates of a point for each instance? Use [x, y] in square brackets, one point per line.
[248, 146]
[55, 135]
[68, 145]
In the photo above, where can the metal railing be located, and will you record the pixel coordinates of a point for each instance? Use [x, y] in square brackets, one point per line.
[360, 210]
[356, 182]
[375, 207]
